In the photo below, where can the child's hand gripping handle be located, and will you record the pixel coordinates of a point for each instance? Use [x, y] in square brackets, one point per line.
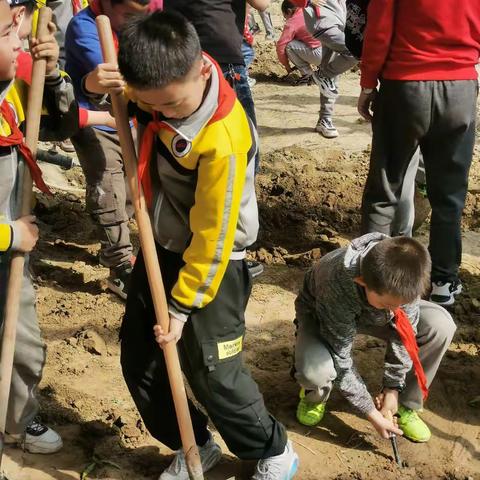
[15, 278]
[120, 111]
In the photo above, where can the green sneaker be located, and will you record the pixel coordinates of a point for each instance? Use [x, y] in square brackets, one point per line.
[412, 426]
[309, 414]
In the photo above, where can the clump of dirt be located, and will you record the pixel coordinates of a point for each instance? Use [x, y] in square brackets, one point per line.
[306, 200]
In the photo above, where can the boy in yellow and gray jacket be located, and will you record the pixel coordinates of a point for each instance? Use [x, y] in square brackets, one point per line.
[196, 164]
[21, 234]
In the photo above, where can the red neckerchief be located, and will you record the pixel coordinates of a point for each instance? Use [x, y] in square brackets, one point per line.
[97, 10]
[76, 6]
[226, 100]
[407, 336]
[16, 139]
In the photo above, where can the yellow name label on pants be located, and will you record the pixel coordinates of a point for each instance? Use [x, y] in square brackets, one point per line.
[230, 348]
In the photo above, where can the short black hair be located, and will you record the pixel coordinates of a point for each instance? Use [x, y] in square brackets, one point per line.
[157, 49]
[398, 266]
[287, 6]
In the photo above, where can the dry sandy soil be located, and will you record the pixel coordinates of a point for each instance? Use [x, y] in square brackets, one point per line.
[309, 192]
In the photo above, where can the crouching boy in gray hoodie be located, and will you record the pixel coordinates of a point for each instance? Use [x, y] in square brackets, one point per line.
[373, 287]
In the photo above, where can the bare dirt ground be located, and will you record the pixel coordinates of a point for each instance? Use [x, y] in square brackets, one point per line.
[309, 191]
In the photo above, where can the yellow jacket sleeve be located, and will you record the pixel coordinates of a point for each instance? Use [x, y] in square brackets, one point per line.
[6, 237]
[213, 221]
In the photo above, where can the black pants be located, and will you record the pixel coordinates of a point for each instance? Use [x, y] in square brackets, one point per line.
[211, 361]
[440, 117]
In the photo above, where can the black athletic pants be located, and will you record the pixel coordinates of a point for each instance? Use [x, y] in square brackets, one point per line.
[438, 116]
[211, 358]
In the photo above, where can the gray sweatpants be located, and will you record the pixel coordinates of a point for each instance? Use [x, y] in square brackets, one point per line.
[438, 116]
[267, 22]
[404, 217]
[336, 58]
[303, 56]
[29, 358]
[100, 156]
[315, 370]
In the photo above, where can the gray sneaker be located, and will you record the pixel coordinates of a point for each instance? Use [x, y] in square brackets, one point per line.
[38, 438]
[327, 85]
[210, 455]
[280, 467]
[326, 128]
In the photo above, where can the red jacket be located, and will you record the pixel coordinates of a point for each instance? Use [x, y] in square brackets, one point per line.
[421, 40]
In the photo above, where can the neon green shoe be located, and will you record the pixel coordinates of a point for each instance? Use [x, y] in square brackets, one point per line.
[412, 426]
[309, 414]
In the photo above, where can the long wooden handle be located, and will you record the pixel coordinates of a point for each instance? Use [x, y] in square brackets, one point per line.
[147, 242]
[34, 110]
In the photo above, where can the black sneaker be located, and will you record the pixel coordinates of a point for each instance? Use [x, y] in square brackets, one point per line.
[443, 293]
[119, 279]
[327, 85]
[304, 80]
[255, 268]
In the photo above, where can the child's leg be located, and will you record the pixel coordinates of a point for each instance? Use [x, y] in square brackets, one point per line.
[447, 151]
[402, 117]
[435, 332]
[303, 56]
[336, 57]
[28, 361]
[101, 159]
[405, 212]
[142, 360]
[212, 357]
[267, 23]
[314, 368]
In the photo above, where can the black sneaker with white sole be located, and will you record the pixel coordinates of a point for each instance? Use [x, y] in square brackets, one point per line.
[119, 279]
[327, 85]
[255, 268]
[38, 438]
[443, 293]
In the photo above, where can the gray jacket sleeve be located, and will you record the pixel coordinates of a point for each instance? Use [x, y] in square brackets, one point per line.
[397, 359]
[339, 334]
[62, 120]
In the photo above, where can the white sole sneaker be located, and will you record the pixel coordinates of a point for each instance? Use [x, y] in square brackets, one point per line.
[443, 293]
[210, 455]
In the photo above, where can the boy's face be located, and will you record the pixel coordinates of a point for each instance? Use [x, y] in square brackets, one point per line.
[178, 99]
[9, 43]
[384, 301]
[22, 19]
[120, 13]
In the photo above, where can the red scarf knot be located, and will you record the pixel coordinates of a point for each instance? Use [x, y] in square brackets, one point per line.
[16, 139]
[409, 341]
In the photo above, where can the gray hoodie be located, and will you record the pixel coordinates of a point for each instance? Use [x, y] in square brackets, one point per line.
[60, 123]
[332, 14]
[340, 308]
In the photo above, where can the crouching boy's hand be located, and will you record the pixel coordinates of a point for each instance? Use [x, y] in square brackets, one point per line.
[106, 78]
[174, 335]
[387, 402]
[384, 426]
[46, 47]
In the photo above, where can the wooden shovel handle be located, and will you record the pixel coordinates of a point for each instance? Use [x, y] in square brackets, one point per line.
[147, 242]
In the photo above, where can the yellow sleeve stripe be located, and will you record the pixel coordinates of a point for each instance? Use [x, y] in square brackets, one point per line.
[220, 247]
[213, 220]
[5, 237]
